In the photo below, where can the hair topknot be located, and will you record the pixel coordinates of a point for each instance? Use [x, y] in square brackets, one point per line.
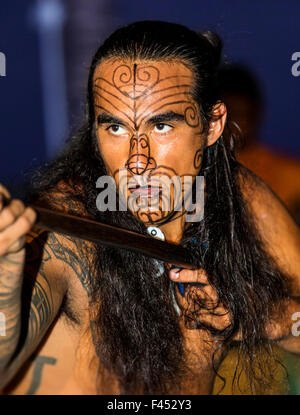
[216, 43]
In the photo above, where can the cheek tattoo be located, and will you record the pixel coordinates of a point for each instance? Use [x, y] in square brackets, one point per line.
[131, 87]
[198, 158]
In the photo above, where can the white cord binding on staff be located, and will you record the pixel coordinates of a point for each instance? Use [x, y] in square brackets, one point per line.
[158, 234]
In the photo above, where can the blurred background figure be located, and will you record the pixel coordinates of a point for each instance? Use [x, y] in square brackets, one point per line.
[242, 93]
[85, 28]
[48, 45]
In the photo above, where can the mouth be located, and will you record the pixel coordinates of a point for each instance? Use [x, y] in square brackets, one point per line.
[145, 190]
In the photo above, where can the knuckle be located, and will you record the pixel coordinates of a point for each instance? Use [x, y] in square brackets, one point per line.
[31, 214]
[19, 204]
[196, 273]
[7, 215]
[201, 274]
[24, 223]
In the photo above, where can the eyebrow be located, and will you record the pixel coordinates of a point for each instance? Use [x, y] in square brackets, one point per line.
[165, 117]
[105, 118]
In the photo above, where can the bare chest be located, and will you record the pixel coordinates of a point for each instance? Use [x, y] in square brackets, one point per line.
[66, 362]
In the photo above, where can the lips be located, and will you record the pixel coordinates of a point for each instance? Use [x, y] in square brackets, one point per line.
[145, 190]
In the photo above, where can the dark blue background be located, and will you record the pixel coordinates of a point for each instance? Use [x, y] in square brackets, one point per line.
[21, 116]
[262, 34]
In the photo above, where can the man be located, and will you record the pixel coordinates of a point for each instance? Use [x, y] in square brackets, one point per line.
[103, 320]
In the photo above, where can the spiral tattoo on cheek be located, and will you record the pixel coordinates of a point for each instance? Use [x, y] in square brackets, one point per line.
[198, 158]
[192, 118]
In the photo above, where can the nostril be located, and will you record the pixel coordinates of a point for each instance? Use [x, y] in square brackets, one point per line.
[140, 160]
[137, 163]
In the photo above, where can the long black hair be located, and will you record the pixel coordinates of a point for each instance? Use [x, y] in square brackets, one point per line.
[136, 331]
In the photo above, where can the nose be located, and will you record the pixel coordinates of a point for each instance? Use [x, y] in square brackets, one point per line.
[139, 160]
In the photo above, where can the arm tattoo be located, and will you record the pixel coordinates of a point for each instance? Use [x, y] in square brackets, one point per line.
[76, 254]
[38, 301]
[10, 294]
[37, 305]
[28, 300]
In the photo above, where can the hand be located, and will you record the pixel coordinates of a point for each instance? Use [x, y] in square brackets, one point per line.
[15, 221]
[205, 296]
[186, 275]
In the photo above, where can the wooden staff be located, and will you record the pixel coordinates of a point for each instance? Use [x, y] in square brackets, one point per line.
[113, 236]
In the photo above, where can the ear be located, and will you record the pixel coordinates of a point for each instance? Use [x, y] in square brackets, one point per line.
[217, 124]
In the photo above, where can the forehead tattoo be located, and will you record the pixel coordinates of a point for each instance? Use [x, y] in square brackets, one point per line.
[132, 85]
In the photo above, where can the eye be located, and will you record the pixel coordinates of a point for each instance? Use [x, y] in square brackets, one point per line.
[162, 128]
[116, 129]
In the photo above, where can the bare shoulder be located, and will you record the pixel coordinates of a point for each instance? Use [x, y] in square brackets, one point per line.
[64, 257]
[57, 275]
[40, 263]
[277, 228]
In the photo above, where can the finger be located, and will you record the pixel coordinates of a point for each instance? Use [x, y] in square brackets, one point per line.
[218, 322]
[16, 231]
[19, 244]
[4, 195]
[4, 191]
[207, 293]
[10, 213]
[186, 275]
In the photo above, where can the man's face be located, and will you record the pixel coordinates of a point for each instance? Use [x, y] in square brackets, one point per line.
[149, 126]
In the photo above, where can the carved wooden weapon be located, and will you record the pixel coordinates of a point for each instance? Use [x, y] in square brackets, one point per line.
[113, 236]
